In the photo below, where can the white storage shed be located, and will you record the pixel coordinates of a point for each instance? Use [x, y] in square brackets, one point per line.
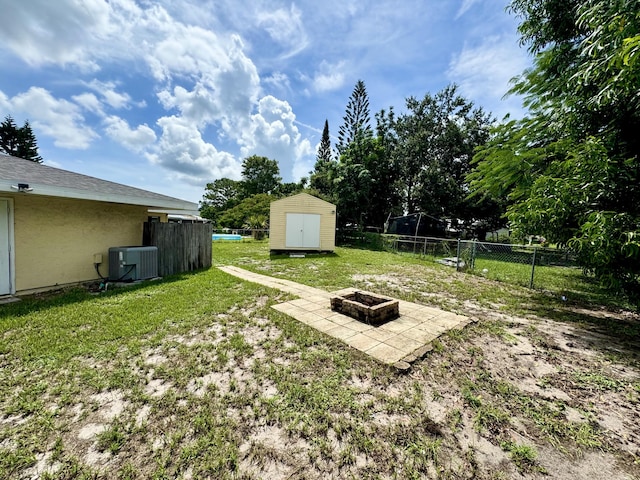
[302, 222]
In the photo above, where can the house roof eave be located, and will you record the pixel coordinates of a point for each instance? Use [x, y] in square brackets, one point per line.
[66, 192]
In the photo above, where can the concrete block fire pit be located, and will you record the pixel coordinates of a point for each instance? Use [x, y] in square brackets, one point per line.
[366, 307]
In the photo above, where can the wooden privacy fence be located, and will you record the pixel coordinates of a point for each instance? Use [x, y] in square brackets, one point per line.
[182, 247]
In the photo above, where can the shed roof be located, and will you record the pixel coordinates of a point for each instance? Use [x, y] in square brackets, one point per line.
[55, 182]
[305, 196]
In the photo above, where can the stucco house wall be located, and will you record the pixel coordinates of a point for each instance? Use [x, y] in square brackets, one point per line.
[301, 203]
[58, 238]
[55, 224]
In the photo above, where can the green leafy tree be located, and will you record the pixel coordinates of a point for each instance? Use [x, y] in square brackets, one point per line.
[433, 145]
[570, 170]
[220, 195]
[255, 206]
[229, 203]
[291, 188]
[354, 182]
[365, 183]
[18, 141]
[260, 175]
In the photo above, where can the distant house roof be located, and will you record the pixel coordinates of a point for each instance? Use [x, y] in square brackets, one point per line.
[55, 182]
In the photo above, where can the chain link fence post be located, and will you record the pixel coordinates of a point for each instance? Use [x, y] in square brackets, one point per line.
[472, 260]
[458, 256]
[533, 267]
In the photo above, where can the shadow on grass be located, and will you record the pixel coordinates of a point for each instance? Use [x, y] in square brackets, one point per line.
[618, 326]
[373, 247]
[287, 256]
[79, 294]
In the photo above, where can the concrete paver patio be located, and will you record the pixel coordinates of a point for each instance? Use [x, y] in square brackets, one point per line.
[398, 342]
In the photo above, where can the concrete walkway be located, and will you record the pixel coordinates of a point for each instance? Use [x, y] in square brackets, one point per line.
[398, 342]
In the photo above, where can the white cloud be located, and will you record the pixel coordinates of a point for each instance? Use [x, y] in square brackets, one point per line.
[5, 105]
[216, 72]
[89, 102]
[199, 106]
[286, 28]
[329, 77]
[279, 81]
[136, 140]
[206, 77]
[42, 31]
[273, 133]
[108, 97]
[188, 50]
[57, 118]
[107, 90]
[182, 149]
[226, 82]
[483, 71]
[464, 8]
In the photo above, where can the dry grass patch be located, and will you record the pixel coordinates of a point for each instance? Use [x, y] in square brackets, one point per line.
[197, 377]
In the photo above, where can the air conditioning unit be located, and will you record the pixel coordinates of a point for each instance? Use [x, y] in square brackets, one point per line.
[132, 263]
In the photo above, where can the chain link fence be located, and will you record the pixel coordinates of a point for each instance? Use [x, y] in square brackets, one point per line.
[532, 266]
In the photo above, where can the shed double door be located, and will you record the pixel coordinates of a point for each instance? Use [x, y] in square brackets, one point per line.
[303, 230]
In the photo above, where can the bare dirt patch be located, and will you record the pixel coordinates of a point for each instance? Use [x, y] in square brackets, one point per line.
[251, 394]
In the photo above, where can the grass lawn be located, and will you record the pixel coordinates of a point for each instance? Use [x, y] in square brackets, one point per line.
[195, 376]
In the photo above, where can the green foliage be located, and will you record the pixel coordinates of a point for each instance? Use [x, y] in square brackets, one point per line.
[357, 118]
[524, 456]
[490, 418]
[364, 183]
[220, 195]
[597, 381]
[228, 203]
[433, 145]
[360, 169]
[112, 439]
[612, 47]
[260, 175]
[324, 150]
[416, 161]
[18, 141]
[239, 215]
[324, 170]
[570, 170]
[257, 223]
[290, 188]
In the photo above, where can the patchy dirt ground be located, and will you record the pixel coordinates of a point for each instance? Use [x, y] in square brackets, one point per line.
[252, 394]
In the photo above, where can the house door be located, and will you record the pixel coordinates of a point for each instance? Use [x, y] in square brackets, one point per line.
[303, 230]
[5, 263]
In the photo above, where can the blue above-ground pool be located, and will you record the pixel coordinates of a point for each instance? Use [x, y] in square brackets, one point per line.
[226, 236]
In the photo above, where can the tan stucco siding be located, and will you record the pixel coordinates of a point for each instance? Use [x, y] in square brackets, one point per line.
[306, 204]
[56, 238]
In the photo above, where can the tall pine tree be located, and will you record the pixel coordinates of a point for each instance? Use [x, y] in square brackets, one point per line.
[357, 119]
[322, 175]
[324, 150]
[18, 141]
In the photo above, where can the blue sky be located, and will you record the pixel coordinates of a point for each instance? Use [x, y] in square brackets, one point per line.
[169, 95]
